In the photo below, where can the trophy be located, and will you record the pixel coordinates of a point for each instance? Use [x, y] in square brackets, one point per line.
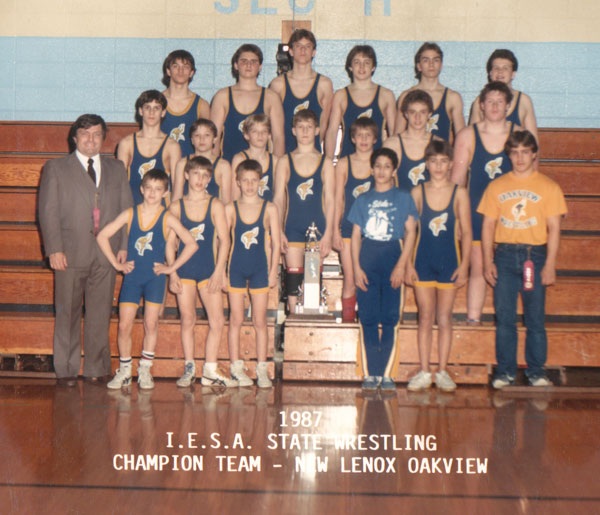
[313, 298]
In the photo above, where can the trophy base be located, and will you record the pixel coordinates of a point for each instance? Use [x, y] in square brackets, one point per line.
[313, 316]
[301, 310]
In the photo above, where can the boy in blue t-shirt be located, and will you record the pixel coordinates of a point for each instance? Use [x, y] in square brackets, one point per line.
[381, 219]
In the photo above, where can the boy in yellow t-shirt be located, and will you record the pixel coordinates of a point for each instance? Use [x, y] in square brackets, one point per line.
[522, 211]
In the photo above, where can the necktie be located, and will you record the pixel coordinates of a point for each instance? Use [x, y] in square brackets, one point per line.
[91, 172]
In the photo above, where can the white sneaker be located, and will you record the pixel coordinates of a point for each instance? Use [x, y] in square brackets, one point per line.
[122, 378]
[188, 377]
[444, 382]
[540, 381]
[210, 378]
[145, 381]
[502, 381]
[262, 375]
[421, 381]
[238, 372]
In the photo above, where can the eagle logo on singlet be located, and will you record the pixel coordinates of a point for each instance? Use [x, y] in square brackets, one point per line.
[366, 114]
[304, 189]
[146, 167]
[263, 185]
[301, 107]
[361, 188]
[178, 133]
[198, 232]
[492, 168]
[417, 173]
[438, 224]
[143, 243]
[249, 238]
[518, 210]
[241, 125]
[432, 123]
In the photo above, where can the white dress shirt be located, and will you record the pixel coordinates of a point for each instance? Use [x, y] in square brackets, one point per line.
[84, 162]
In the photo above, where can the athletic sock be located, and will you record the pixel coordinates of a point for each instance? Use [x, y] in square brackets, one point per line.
[147, 355]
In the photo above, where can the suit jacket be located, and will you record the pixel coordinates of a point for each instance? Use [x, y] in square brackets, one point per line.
[67, 198]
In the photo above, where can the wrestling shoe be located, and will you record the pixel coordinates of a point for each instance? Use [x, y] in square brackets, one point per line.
[189, 375]
[238, 372]
[262, 376]
[122, 378]
[145, 381]
[421, 381]
[214, 378]
[444, 382]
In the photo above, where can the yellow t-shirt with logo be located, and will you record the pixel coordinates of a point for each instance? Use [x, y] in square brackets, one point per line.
[521, 207]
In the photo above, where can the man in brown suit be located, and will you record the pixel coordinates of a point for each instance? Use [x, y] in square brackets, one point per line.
[79, 194]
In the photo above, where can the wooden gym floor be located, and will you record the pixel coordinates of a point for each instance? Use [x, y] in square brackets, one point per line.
[299, 448]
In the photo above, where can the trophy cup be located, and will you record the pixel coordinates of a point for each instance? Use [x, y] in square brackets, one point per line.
[312, 297]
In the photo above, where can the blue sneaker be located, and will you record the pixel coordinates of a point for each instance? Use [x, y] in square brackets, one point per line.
[370, 383]
[387, 383]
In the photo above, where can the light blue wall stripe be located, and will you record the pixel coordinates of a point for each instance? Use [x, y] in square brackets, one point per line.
[59, 78]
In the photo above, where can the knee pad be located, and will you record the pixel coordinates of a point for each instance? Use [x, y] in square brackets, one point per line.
[349, 309]
[293, 280]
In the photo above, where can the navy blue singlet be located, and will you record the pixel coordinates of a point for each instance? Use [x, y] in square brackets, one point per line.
[292, 104]
[233, 137]
[439, 123]
[353, 112]
[140, 164]
[485, 167]
[177, 125]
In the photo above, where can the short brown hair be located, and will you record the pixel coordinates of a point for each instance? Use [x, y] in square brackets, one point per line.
[501, 53]
[439, 147]
[247, 47]
[364, 123]
[305, 115]
[85, 121]
[176, 55]
[367, 51]
[148, 96]
[156, 174]
[426, 46]
[496, 86]
[386, 152]
[299, 34]
[524, 137]
[255, 119]
[203, 122]
[198, 162]
[414, 96]
[248, 165]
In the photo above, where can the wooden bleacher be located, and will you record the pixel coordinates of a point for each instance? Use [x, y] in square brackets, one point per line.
[314, 350]
[27, 284]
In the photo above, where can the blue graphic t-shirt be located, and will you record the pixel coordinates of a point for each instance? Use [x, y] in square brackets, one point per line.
[381, 215]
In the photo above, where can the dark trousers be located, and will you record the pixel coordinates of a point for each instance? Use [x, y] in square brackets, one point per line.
[380, 304]
[509, 260]
[95, 286]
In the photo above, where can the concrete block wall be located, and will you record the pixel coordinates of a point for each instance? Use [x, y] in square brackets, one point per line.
[61, 58]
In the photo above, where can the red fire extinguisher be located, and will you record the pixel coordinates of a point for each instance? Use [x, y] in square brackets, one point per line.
[528, 272]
